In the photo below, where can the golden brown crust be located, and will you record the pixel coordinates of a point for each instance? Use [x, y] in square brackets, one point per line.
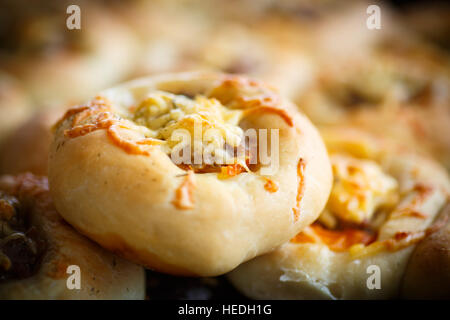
[103, 276]
[131, 195]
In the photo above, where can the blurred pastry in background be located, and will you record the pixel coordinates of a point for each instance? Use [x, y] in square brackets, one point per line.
[399, 89]
[37, 247]
[169, 34]
[56, 64]
[342, 34]
[406, 73]
[431, 19]
[218, 43]
[249, 10]
[26, 148]
[15, 107]
[246, 49]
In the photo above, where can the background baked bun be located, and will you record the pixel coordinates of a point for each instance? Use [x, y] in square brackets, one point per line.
[57, 64]
[26, 148]
[37, 247]
[255, 51]
[399, 88]
[112, 176]
[14, 105]
[384, 201]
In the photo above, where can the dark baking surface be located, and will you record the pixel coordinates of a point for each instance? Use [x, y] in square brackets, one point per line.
[165, 287]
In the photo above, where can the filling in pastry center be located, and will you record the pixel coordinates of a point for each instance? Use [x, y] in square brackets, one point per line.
[361, 195]
[360, 188]
[201, 130]
[200, 133]
[21, 246]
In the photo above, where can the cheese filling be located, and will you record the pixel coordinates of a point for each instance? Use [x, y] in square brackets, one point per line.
[199, 133]
[363, 196]
[200, 126]
[360, 188]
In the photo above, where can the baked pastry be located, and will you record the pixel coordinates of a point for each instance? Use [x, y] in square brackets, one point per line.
[14, 105]
[400, 88]
[26, 148]
[74, 63]
[254, 51]
[430, 20]
[37, 248]
[115, 174]
[384, 201]
[164, 47]
[215, 44]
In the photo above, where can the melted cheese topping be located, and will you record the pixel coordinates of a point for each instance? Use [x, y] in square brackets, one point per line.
[400, 241]
[202, 132]
[97, 115]
[184, 195]
[163, 112]
[336, 240]
[300, 188]
[360, 188]
[271, 185]
[154, 122]
[207, 121]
